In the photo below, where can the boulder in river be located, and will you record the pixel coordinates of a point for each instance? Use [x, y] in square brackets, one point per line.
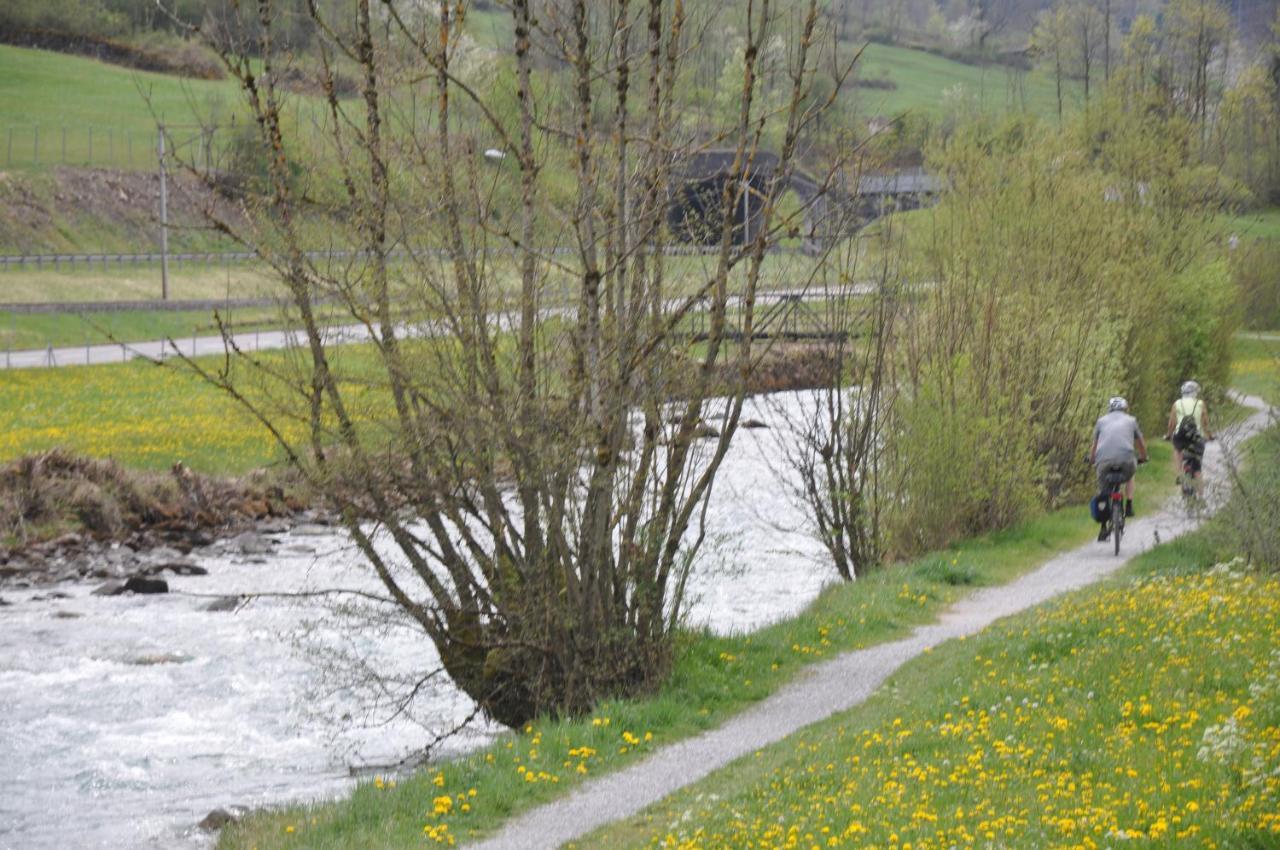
[4, 602]
[753, 423]
[114, 587]
[142, 584]
[251, 543]
[217, 819]
[226, 603]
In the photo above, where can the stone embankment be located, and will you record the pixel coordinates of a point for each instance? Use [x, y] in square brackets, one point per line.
[68, 518]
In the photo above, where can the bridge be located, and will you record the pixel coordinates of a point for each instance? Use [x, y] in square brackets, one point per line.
[696, 213]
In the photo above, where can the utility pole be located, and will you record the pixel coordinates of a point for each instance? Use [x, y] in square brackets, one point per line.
[164, 222]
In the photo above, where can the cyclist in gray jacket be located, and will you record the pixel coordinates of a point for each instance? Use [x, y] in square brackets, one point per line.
[1118, 445]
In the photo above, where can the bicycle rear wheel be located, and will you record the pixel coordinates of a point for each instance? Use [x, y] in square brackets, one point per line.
[1117, 521]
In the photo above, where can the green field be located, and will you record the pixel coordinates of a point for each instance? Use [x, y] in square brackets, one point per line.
[64, 96]
[53, 91]
[1255, 368]
[141, 282]
[1256, 224]
[933, 85]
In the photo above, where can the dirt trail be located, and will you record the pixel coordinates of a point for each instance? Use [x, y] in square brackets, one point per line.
[847, 680]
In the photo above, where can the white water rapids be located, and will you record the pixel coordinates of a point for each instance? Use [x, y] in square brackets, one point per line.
[123, 725]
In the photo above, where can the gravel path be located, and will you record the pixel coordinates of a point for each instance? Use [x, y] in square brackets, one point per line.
[847, 680]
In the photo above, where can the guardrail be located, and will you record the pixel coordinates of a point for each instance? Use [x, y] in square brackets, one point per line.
[105, 261]
[144, 305]
[215, 258]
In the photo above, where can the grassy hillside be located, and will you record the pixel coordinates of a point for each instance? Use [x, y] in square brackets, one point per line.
[928, 83]
[54, 90]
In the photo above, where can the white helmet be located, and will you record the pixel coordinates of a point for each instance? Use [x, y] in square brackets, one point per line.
[1117, 403]
[1190, 388]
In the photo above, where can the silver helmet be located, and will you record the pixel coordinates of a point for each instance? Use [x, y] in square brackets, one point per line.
[1190, 388]
[1117, 403]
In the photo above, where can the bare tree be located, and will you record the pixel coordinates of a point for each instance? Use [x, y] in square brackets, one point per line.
[834, 436]
[517, 452]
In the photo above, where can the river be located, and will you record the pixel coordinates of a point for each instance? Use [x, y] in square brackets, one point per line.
[124, 720]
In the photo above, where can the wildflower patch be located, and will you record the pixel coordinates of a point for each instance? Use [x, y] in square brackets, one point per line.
[1140, 714]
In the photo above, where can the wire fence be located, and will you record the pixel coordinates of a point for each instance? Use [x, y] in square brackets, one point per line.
[211, 259]
[35, 145]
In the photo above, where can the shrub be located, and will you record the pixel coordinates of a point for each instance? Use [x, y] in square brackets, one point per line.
[1055, 282]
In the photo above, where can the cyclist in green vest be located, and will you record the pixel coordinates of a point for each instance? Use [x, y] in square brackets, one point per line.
[1193, 434]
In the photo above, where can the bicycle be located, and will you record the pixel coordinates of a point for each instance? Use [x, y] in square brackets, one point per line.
[1115, 476]
[1192, 462]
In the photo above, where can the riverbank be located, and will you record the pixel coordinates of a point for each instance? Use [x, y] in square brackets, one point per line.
[65, 517]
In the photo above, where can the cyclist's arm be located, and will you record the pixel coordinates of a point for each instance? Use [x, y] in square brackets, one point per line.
[1173, 421]
[1208, 431]
[1093, 451]
[1142, 447]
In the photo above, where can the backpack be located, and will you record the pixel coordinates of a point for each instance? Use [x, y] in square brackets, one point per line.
[1187, 431]
[1100, 507]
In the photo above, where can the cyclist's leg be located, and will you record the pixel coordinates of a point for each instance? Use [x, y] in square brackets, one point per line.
[1130, 468]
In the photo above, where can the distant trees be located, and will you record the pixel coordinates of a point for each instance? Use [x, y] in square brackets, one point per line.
[125, 18]
[1072, 39]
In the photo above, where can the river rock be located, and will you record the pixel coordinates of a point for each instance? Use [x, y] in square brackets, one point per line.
[216, 820]
[142, 584]
[164, 553]
[705, 432]
[226, 603]
[120, 555]
[753, 423]
[115, 587]
[252, 543]
[273, 526]
[66, 615]
[4, 603]
[16, 567]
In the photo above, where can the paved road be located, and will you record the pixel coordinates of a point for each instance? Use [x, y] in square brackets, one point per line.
[95, 355]
[843, 682]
